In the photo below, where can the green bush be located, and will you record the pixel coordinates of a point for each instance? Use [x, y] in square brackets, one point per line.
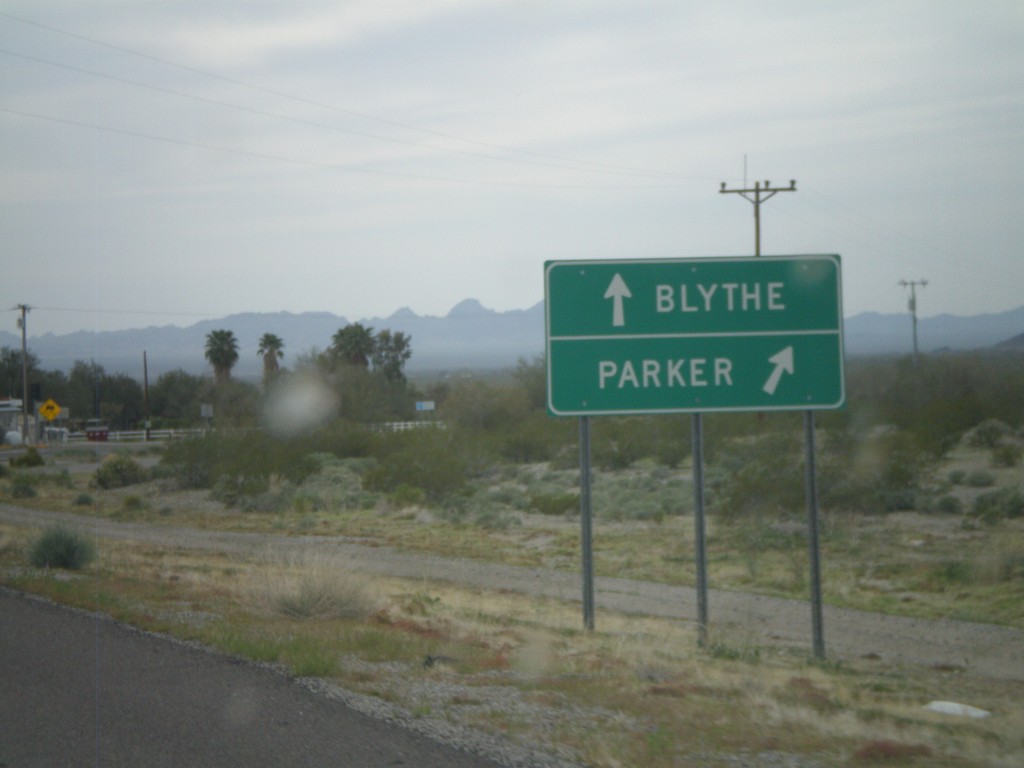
[989, 433]
[407, 496]
[241, 464]
[133, 504]
[998, 505]
[957, 476]
[30, 458]
[762, 476]
[555, 503]
[533, 439]
[232, 489]
[979, 478]
[1006, 455]
[428, 459]
[22, 487]
[949, 505]
[83, 500]
[119, 471]
[59, 547]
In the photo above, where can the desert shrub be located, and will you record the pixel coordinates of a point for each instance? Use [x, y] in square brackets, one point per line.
[338, 484]
[406, 496]
[535, 438]
[760, 476]
[247, 461]
[59, 547]
[344, 439]
[83, 500]
[957, 476]
[1006, 455]
[493, 519]
[895, 500]
[119, 471]
[555, 503]
[989, 433]
[272, 500]
[872, 472]
[231, 489]
[480, 406]
[60, 479]
[979, 478]
[311, 588]
[620, 443]
[998, 505]
[133, 503]
[949, 505]
[23, 487]
[428, 459]
[193, 462]
[30, 458]
[890, 753]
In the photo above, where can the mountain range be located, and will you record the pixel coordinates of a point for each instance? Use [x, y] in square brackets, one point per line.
[470, 336]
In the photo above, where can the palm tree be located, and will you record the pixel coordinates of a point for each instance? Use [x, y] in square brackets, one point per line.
[390, 351]
[222, 352]
[353, 344]
[271, 350]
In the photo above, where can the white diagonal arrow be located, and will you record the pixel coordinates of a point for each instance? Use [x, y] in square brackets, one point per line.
[618, 290]
[783, 362]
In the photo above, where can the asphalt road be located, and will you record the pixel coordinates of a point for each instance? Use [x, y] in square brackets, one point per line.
[78, 689]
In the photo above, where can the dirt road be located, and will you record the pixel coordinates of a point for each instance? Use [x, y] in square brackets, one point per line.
[979, 649]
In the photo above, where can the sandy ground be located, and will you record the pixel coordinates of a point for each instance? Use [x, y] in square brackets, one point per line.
[739, 619]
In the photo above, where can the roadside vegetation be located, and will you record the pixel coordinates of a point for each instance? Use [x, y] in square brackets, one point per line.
[921, 489]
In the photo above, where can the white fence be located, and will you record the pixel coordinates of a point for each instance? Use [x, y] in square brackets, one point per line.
[402, 426]
[125, 436]
[56, 435]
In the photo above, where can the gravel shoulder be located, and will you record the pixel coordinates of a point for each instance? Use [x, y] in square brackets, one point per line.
[982, 650]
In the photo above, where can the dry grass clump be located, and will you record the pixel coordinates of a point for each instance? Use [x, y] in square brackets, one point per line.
[310, 587]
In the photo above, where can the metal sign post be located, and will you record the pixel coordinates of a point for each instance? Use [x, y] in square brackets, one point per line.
[586, 525]
[817, 620]
[699, 532]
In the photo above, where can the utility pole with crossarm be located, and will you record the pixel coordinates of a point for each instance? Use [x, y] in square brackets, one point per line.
[912, 306]
[758, 195]
[24, 372]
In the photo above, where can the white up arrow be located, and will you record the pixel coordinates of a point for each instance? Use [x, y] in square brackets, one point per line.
[617, 291]
[783, 362]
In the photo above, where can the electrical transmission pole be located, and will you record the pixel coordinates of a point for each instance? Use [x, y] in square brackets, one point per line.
[758, 195]
[912, 306]
[24, 372]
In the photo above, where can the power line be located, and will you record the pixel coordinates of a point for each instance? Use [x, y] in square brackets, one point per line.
[608, 167]
[325, 126]
[334, 166]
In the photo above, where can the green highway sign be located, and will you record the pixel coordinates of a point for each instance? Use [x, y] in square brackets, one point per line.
[694, 335]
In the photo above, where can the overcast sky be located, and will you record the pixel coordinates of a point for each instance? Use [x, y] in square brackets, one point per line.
[170, 161]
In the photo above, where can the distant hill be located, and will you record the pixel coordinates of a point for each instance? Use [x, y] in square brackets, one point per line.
[469, 336]
[874, 333]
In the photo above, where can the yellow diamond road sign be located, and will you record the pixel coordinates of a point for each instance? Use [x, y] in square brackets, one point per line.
[49, 410]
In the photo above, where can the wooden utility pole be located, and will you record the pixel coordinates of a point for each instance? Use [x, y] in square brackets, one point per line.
[912, 306]
[758, 195]
[24, 372]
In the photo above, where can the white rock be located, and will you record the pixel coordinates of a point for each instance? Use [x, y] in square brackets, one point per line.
[953, 708]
